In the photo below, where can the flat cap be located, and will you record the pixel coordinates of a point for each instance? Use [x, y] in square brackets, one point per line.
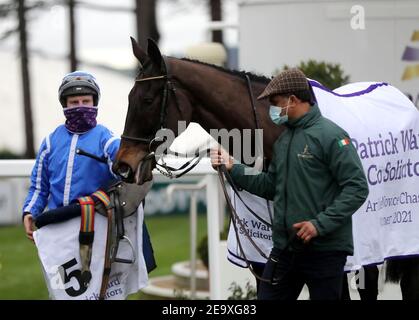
[286, 82]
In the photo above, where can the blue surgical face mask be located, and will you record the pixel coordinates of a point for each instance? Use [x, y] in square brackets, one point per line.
[275, 114]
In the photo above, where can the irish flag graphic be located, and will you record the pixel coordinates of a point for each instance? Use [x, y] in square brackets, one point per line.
[343, 142]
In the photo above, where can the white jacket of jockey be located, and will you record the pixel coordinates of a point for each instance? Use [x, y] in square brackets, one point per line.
[60, 175]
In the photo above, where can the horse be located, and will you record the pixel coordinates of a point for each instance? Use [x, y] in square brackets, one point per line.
[195, 92]
[168, 90]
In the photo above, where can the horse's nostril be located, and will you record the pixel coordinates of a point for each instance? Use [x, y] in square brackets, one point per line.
[124, 174]
[124, 171]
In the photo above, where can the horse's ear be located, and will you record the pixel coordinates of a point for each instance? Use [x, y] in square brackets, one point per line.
[154, 53]
[139, 53]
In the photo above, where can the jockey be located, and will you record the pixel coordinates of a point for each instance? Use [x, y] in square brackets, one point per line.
[62, 172]
[60, 175]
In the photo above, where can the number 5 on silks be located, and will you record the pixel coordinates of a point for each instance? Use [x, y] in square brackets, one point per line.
[66, 277]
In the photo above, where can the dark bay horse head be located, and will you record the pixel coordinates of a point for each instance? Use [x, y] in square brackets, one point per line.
[149, 101]
[168, 90]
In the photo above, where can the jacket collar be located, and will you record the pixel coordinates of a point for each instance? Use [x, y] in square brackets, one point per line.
[306, 120]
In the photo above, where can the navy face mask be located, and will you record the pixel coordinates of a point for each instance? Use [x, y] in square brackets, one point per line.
[80, 119]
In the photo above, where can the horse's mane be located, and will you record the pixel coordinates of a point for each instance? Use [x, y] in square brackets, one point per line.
[241, 74]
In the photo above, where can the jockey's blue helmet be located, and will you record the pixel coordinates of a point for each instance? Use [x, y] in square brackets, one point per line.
[78, 83]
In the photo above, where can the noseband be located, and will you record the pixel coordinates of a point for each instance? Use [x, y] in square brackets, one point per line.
[167, 89]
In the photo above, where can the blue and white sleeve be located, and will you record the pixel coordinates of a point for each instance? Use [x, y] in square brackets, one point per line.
[110, 151]
[38, 194]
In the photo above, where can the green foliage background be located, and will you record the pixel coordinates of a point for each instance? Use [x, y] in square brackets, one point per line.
[329, 74]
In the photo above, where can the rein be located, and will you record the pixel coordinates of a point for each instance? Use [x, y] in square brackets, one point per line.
[235, 219]
[168, 171]
[113, 210]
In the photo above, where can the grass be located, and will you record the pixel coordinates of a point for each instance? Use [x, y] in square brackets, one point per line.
[20, 271]
[170, 239]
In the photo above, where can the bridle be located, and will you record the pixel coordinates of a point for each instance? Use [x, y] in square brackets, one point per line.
[168, 89]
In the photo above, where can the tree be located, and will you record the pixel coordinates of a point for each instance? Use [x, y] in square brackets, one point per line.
[216, 15]
[72, 27]
[20, 7]
[27, 105]
[330, 75]
[145, 12]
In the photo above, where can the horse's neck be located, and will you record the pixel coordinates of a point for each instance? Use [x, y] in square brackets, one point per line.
[222, 101]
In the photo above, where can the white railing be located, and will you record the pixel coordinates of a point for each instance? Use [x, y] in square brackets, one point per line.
[193, 216]
[202, 172]
[16, 168]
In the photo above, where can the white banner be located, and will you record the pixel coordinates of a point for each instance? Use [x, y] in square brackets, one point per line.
[260, 232]
[58, 250]
[384, 126]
